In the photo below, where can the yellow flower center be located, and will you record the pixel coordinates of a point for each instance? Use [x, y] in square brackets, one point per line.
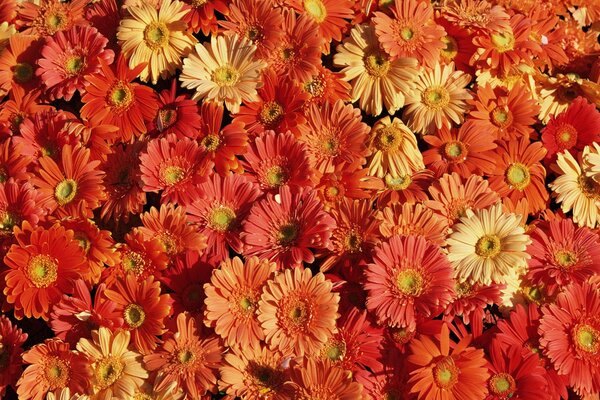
[377, 64]
[316, 9]
[407, 33]
[488, 246]
[435, 97]
[198, 3]
[353, 241]
[565, 258]
[169, 242]
[120, 96]
[56, 21]
[246, 305]
[455, 151]
[133, 262]
[589, 187]
[156, 35]
[134, 315]
[23, 72]
[56, 373]
[463, 289]
[398, 183]
[451, 49]
[330, 146]
[316, 86]
[172, 174]
[42, 270]
[108, 370]
[298, 313]
[166, 118]
[276, 176]
[221, 218]
[65, 191]
[332, 192]
[388, 138]
[504, 41]
[271, 113]
[74, 64]
[83, 240]
[518, 176]
[533, 293]
[211, 142]
[501, 117]
[186, 356]
[587, 338]
[410, 282]
[334, 350]
[402, 335]
[287, 234]
[502, 385]
[566, 136]
[225, 75]
[445, 373]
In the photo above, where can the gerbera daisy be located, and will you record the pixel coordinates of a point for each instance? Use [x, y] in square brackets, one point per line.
[173, 167]
[52, 366]
[279, 107]
[505, 114]
[575, 191]
[117, 371]
[98, 138]
[224, 70]
[297, 311]
[350, 181]
[376, 79]
[65, 61]
[458, 48]
[18, 203]
[570, 336]
[72, 184]
[547, 31]
[111, 98]
[253, 372]
[143, 309]
[411, 32]
[286, 226]
[320, 379]
[222, 206]
[412, 219]
[519, 174]
[334, 134]
[19, 107]
[47, 17]
[407, 188]
[409, 278]
[12, 163]
[395, 149]
[452, 196]
[439, 98]
[11, 340]
[486, 245]
[277, 159]
[187, 357]
[17, 62]
[326, 86]
[105, 16]
[177, 114]
[572, 129]
[591, 162]
[256, 20]
[476, 15]
[232, 299]
[202, 15]
[44, 264]
[467, 150]
[471, 300]
[158, 37]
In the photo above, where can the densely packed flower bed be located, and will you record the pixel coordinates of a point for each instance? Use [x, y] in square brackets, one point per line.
[303, 199]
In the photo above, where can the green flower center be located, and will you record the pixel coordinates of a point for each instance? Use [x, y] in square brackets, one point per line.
[134, 315]
[74, 64]
[108, 370]
[221, 218]
[42, 270]
[271, 113]
[410, 282]
[502, 385]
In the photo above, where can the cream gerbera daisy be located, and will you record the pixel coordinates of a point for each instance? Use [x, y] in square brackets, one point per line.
[158, 37]
[376, 79]
[486, 245]
[591, 161]
[118, 371]
[576, 191]
[224, 70]
[439, 98]
[395, 149]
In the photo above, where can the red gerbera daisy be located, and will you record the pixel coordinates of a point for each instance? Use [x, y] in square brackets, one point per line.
[459, 46]
[18, 203]
[471, 300]
[223, 205]
[285, 227]
[202, 15]
[65, 60]
[314, 379]
[111, 98]
[409, 278]
[43, 265]
[177, 114]
[47, 17]
[11, 340]
[143, 309]
[12, 163]
[17, 63]
[105, 16]
[19, 107]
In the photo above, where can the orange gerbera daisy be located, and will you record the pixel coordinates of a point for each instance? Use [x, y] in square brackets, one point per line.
[46, 17]
[518, 173]
[70, 185]
[43, 265]
[232, 300]
[177, 114]
[297, 311]
[412, 219]
[17, 63]
[111, 98]
[98, 138]
[458, 48]
[350, 181]
[202, 15]
[18, 203]
[326, 86]
[408, 188]
[53, 366]
[19, 107]
[467, 150]
[11, 340]
[143, 308]
[319, 379]
[411, 32]
[12, 163]
[187, 357]
[476, 15]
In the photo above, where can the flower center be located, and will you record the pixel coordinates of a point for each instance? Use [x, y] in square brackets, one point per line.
[398, 183]
[451, 49]
[133, 262]
[265, 377]
[56, 21]
[410, 282]
[193, 297]
[407, 33]
[42, 270]
[463, 289]
[353, 241]
[134, 315]
[377, 64]
[455, 151]
[502, 385]
[589, 187]
[108, 370]
[225, 75]
[501, 117]
[388, 138]
[315, 87]
[296, 313]
[211, 143]
[288, 53]
[331, 146]
[166, 117]
[566, 136]
[333, 192]
[517, 176]
[316, 9]
[23, 72]
[186, 356]
[271, 114]
[488, 246]
[8, 220]
[276, 176]
[221, 218]
[156, 35]
[172, 174]
[445, 373]
[254, 33]
[74, 64]
[334, 350]
[402, 335]
[56, 372]
[198, 3]
[246, 305]
[83, 240]
[504, 41]
[287, 234]
[565, 258]
[435, 97]
[587, 338]
[120, 96]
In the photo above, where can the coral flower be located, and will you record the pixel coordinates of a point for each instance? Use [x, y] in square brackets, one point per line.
[376, 79]
[18, 203]
[143, 309]
[285, 227]
[98, 138]
[404, 188]
[188, 358]
[47, 17]
[73, 183]
[223, 70]
[446, 369]
[326, 86]
[467, 150]
[350, 181]
[222, 206]
[11, 340]
[410, 278]
[177, 114]
[411, 32]
[17, 63]
[471, 300]
[440, 98]
[65, 61]
[117, 371]
[297, 311]
[476, 15]
[232, 300]
[158, 37]
[12, 163]
[486, 245]
[412, 219]
[20, 107]
[43, 265]
[319, 379]
[111, 98]
[52, 366]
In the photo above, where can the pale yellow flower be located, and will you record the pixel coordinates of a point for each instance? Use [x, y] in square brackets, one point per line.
[6, 31]
[591, 161]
